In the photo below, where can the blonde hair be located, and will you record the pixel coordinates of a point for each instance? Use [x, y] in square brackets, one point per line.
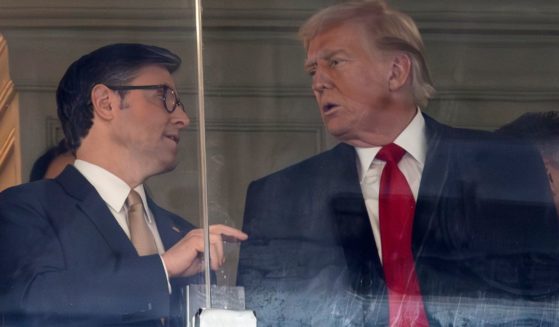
[388, 29]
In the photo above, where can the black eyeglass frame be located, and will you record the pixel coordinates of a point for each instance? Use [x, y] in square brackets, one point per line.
[163, 87]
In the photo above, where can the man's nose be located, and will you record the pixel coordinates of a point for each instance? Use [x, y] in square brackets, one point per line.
[180, 118]
[320, 81]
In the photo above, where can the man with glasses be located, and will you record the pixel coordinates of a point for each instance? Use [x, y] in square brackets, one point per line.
[90, 248]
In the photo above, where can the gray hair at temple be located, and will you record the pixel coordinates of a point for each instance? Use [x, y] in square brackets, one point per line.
[389, 29]
[539, 128]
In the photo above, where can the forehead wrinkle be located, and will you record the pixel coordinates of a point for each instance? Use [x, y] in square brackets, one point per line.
[333, 53]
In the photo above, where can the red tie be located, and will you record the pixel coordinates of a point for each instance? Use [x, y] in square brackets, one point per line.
[396, 211]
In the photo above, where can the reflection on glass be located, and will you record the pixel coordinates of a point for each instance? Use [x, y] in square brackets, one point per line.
[408, 221]
[481, 254]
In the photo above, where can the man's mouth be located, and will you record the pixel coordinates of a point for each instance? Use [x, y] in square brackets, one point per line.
[328, 107]
[174, 138]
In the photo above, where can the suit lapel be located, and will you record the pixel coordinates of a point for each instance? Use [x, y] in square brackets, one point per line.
[169, 231]
[433, 190]
[96, 210]
[354, 227]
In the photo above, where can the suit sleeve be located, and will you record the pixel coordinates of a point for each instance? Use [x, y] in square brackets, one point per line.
[36, 280]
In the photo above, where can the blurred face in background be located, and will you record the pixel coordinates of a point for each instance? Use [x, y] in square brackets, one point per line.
[552, 169]
[58, 164]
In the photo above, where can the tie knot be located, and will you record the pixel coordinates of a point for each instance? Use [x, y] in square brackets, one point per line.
[391, 153]
[133, 199]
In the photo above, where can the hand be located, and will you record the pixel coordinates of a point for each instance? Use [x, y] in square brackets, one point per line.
[184, 258]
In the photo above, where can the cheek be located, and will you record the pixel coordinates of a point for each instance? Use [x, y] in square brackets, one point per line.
[358, 83]
[141, 131]
[316, 96]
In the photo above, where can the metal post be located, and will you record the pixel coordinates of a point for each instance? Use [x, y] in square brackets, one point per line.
[202, 151]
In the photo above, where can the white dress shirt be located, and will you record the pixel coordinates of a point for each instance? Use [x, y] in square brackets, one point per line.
[114, 192]
[414, 141]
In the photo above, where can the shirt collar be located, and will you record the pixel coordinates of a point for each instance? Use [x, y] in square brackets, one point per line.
[111, 188]
[412, 139]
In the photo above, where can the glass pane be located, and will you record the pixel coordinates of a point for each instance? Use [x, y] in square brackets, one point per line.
[484, 237]
[313, 256]
[66, 254]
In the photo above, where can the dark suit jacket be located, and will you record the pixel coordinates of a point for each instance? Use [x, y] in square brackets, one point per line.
[64, 260]
[485, 231]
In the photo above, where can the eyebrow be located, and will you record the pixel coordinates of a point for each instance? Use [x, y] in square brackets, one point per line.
[324, 56]
[309, 65]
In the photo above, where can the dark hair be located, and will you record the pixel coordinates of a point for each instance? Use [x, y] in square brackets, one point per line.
[112, 64]
[41, 165]
[540, 128]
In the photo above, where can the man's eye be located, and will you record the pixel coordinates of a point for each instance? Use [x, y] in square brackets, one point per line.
[310, 69]
[333, 63]
[161, 94]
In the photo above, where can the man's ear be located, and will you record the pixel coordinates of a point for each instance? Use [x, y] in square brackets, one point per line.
[101, 99]
[400, 71]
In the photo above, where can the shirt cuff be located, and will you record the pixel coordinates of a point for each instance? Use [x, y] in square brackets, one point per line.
[166, 275]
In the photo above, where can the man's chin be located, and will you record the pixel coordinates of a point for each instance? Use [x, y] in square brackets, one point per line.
[167, 167]
[341, 133]
[171, 166]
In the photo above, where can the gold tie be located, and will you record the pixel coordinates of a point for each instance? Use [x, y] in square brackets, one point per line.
[140, 234]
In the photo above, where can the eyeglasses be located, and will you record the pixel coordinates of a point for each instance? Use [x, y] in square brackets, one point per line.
[170, 98]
